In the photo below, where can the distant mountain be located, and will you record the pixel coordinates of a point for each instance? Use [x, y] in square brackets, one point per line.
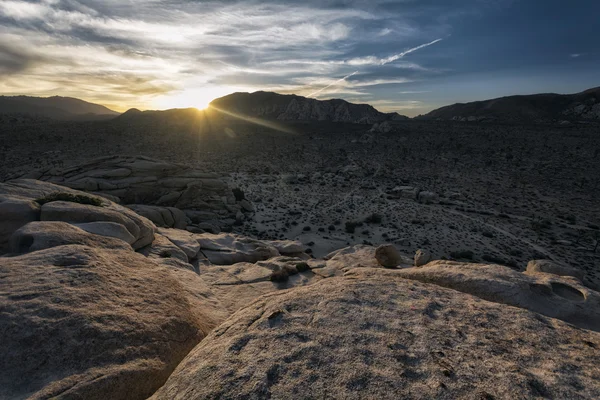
[291, 107]
[527, 108]
[56, 107]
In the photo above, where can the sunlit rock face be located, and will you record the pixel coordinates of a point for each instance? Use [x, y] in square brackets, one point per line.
[298, 108]
[372, 334]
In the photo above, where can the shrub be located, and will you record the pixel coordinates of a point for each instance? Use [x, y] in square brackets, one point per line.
[302, 267]
[280, 275]
[351, 226]
[374, 219]
[239, 194]
[165, 254]
[466, 254]
[73, 198]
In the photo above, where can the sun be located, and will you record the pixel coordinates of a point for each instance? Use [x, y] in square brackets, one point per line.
[198, 98]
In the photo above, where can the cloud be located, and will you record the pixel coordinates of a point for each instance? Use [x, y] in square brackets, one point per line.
[139, 53]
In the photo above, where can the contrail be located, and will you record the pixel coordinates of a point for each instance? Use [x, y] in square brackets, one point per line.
[331, 84]
[395, 57]
[382, 61]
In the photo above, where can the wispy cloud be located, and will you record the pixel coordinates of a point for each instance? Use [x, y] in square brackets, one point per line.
[150, 53]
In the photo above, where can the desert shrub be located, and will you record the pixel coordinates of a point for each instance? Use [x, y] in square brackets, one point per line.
[239, 194]
[466, 254]
[280, 275]
[498, 260]
[488, 234]
[165, 254]
[302, 267]
[351, 226]
[374, 219]
[493, 259]
[73, 198]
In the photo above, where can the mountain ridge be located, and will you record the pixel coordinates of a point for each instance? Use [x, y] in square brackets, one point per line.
[541, 107]
[55, 107]
[291, 107]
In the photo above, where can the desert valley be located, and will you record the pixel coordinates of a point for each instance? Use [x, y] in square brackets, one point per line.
[277, 246]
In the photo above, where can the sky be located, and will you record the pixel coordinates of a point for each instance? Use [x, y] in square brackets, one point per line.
[409, 56]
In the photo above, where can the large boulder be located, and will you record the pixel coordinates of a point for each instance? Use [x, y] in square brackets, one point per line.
[79, 322]
[110, 229]
[39, 235]
[139, 227]
[61, 203]
[558, 297]
[182, 239]
[165, 217]
[228, 248]
[388, 256]
[145, 181]
[357, 256]
[375, 336]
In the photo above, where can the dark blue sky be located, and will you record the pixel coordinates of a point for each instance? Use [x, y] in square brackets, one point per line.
[408, 56]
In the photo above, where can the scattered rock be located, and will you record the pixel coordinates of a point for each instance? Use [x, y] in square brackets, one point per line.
[388, 256]
[422, 257]
[428, 197]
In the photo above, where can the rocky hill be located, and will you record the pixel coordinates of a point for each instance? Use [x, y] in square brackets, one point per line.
[297, 108]
[98, 302]
[55, 107]
[529, 108]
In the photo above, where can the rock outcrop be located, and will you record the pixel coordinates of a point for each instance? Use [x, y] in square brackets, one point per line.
[83, 322]
[58, 203]
[156, 189]
[97, 302]
[228, 248]
[552, 295]
[367, 335]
